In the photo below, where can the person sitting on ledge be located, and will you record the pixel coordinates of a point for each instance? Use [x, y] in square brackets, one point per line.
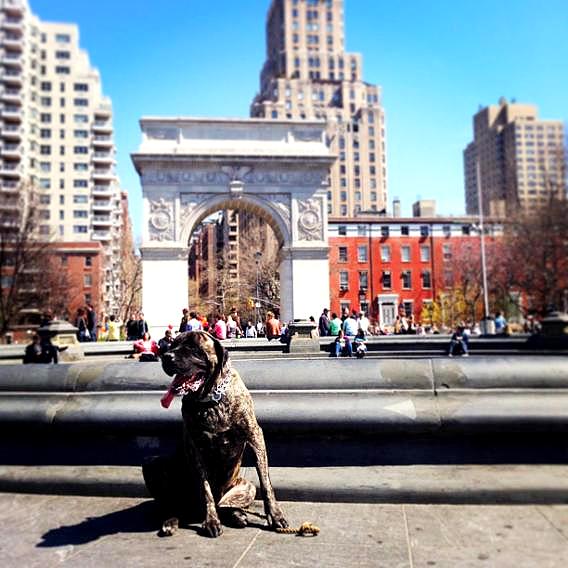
[459, 342]
[342, 345]
[147, 348]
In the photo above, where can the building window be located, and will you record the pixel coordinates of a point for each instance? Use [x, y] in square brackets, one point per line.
[424, 230]
[447, 230]
[344, 280]
[404, 230]
[80, 229]
[362, 253]
[405, 253]
[342, 254]
[80, 183]
[88, 261]
[424, 254]
[79, 214]
[426, 279]
[385, 253]
[61, 38]
[447, 251]
[62, 69]
[362, 230]
[342, 230]
[466, 229]
[64, 260]
[407, 307]
[363, 280]
[87, 280]
[386, 279]
[384, 231]
[406, 280]
[81, 150]
[81, 102]
[81, 87]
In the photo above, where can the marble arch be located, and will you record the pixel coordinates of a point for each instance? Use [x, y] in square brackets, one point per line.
[190, 168]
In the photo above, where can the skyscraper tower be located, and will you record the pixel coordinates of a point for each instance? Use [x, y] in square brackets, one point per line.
[521, 159]
[308, 75]
[57, 134]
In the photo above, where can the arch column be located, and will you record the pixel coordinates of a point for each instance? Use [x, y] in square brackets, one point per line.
[304, 282]
[164, 286]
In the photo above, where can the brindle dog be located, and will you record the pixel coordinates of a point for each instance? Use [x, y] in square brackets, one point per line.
[218, 422]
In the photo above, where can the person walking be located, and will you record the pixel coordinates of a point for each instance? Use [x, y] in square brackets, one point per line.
[323, 324]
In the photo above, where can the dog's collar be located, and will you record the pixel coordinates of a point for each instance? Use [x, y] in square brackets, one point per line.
[218, 391]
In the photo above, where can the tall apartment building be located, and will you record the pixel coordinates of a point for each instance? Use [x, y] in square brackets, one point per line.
[308, 75]
[521, 159]
[57, 135]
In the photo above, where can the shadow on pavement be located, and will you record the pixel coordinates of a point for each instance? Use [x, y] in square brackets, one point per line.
[143, 517]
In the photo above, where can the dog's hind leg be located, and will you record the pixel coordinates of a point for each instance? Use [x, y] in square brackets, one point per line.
[239, 497]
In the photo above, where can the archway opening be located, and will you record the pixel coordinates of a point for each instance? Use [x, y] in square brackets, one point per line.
[234, 262]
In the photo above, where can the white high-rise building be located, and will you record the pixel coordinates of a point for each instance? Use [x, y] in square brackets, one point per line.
[57, 135]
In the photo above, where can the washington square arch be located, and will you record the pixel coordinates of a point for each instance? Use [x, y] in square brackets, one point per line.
[191, 168]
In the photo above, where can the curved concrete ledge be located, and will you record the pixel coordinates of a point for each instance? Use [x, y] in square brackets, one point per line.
[369, 413]
[434, 375]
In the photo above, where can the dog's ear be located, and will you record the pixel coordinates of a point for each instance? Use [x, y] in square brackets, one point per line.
[222, 356]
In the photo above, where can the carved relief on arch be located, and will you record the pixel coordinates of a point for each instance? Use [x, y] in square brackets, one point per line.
[310, 220]
[161, 221]
[281, 202]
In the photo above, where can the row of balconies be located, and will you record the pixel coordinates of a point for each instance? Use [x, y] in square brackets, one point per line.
[12, 170]
[11, 150]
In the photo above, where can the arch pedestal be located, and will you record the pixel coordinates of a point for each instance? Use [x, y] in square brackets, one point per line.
[192, 168]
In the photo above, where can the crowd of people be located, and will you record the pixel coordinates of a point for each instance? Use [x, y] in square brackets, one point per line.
[348, 332]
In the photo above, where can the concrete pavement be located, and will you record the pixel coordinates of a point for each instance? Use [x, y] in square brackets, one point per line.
[45, 531]
[425, 484]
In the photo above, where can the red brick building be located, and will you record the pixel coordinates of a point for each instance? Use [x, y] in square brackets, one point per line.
[389, 264]
[83, 268]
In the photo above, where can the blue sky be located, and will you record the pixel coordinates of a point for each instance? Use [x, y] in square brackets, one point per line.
[436, 61]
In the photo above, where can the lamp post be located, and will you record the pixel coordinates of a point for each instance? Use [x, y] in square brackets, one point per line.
[485, 323]
[257, 257]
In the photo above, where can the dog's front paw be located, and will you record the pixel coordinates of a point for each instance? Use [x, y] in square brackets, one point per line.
[212, 527]
[276, 519]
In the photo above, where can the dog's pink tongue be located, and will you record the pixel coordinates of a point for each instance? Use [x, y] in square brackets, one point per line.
[167, 399]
